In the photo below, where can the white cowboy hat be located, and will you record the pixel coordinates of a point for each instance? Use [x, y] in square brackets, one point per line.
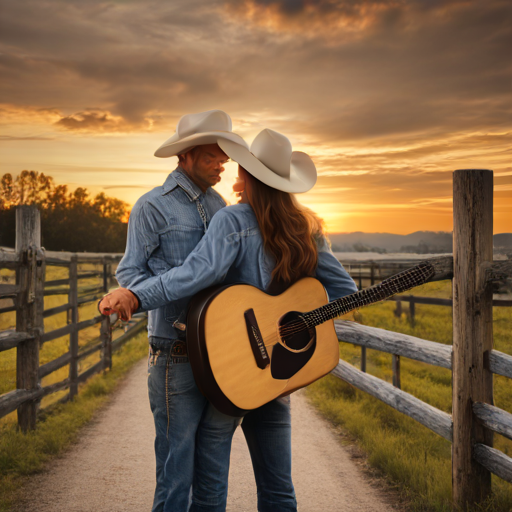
[195, 129]
[272, 161]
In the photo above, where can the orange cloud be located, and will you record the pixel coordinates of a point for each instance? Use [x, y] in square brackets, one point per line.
[96, 121]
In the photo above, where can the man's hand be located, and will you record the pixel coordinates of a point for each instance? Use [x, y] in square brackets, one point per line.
[121, 301]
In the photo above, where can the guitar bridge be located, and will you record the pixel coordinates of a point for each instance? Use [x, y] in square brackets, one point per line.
[256, 340]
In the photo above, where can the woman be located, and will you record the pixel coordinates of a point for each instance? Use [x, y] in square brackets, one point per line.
[270, 241]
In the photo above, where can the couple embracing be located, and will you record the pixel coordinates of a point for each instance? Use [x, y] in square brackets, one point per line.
[183, 238]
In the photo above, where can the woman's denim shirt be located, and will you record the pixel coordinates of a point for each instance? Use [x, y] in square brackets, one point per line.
[164, 228]
[232, 252]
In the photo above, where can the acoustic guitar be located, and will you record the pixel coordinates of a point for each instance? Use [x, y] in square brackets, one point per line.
[247, 347]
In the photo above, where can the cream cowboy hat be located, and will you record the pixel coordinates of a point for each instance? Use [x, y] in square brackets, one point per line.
[272, 161]
[203, 128]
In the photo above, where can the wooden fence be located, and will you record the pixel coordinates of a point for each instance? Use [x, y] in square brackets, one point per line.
[30, 261]
[472, 359]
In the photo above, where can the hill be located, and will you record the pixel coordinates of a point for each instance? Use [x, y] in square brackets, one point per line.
[420, 242]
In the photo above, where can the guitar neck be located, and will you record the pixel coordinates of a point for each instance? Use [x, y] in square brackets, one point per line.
[398, 283]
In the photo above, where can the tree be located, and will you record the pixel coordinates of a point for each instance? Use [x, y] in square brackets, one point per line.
[70, 221]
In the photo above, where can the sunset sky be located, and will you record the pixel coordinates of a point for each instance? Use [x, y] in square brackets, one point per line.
[387, 96]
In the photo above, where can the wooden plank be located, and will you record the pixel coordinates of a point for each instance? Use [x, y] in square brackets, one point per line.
[472, 330]
[494, 418]
[57, 333]
[394, 343]
[441, 302]
[7, 256]
[88, 275]
[84, 324]
[9, 290]
[56, 310]
[500, 363]
[90, 350]
[494, 461]
[11, 401]
[57, 386]
[29, 308]
[8, 309]
[499, 270]
[90, 298]
[422, 300]
[60, 291]
[86, 257]
[50, 367]
[432, 418]
[443, 266]
[90, 290]
[11, 339]
[95, 368]
[56, 282]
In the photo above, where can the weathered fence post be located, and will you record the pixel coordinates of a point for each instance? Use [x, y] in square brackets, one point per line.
[106, 341]
[73, 336]
[395, 362]
[363, 359]
[412, 311]
[398, 310]
[29, 307]
[107, 273]
[472, 329]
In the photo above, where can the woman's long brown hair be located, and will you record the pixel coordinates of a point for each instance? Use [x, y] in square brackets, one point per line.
[288, 230]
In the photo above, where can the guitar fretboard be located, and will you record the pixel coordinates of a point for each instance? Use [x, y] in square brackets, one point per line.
[398, 283]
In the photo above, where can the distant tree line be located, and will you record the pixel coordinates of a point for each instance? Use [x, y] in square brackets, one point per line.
[70, 220]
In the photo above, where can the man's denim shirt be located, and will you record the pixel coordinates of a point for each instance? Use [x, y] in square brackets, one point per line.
[165, 226]
[232, 252]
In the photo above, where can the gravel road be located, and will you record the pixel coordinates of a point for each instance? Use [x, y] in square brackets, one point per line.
[112, 467]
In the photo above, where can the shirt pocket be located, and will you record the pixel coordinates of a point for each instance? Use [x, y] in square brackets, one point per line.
[178, 241]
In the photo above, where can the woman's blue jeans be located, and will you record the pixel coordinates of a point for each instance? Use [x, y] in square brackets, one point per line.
[193, 444]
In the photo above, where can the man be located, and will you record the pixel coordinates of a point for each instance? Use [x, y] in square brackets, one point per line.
[165, 226]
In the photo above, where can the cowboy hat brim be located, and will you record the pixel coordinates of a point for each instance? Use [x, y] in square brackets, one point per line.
[302, 169]
[174, 145]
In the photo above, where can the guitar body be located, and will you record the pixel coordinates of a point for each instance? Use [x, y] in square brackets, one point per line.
[227, 363]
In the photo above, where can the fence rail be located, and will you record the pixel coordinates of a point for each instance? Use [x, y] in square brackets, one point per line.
[472, 358]
[30, 261]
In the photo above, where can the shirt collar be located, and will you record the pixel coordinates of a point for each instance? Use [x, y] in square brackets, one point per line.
[179, 178]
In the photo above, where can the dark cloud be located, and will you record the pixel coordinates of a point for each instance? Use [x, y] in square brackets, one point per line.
[370, 74]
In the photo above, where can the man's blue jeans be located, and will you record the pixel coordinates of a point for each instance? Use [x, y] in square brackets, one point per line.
[193, 445]
[190, 434]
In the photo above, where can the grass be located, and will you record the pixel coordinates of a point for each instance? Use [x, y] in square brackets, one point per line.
[407, 453]
[24, 454]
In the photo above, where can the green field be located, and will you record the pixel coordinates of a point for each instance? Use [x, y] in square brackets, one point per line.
[407, 453]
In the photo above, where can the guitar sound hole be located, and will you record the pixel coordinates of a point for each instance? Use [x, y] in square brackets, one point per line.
[284, 363]
[300, 339]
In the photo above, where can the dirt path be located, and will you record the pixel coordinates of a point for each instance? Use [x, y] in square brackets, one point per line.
[112, 467]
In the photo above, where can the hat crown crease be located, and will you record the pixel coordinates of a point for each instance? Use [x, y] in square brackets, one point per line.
[211, 121]
[274, 151]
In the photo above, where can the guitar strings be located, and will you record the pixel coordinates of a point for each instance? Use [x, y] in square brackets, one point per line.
[395, 284]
